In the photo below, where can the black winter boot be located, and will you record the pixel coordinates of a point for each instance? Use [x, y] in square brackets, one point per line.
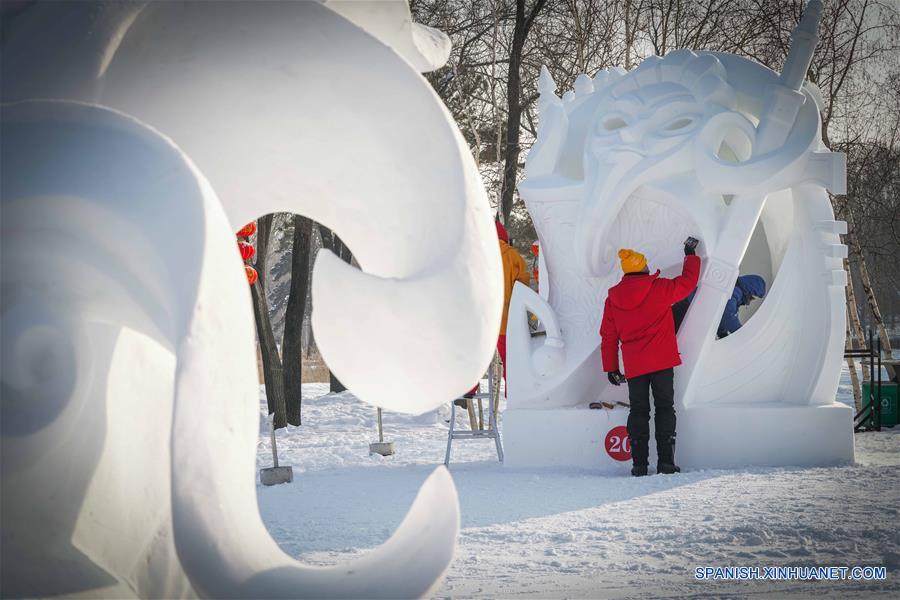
[665, 453]
[639, 454]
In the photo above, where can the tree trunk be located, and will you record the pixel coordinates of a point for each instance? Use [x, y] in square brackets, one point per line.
[876, 315]
[292, 348]
[272, 375]
[851, 366]
[514, 105]
[877, 319]
[849, 344]
[853, 321]
[629, 35]
[331, 241]
[272, 372]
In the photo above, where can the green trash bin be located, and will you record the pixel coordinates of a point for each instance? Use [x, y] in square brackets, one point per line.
[889, 404]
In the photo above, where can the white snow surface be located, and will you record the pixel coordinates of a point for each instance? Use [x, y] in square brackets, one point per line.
[567, 533]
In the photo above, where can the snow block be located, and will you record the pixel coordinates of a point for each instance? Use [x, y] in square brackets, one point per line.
[711, 437]
[276, 475]
[574, 437]
[765, 435]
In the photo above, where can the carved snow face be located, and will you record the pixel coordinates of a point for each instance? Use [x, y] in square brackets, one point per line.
[647, 121]
[643, 128]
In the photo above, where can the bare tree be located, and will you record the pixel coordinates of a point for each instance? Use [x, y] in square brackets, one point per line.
[292, 348]
[499, 46]
[272, 367]
[523, 23]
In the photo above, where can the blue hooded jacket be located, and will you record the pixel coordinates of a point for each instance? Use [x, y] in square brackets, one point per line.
[745, 287]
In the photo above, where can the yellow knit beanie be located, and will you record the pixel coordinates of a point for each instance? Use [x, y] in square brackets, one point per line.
[632, 262]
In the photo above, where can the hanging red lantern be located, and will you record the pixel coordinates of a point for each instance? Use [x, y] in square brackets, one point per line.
[536, 248]
[248, 230]
[252, 275]
[246, 249]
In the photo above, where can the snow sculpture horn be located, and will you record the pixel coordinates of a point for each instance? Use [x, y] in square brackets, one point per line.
[705, 144]
[218, 116]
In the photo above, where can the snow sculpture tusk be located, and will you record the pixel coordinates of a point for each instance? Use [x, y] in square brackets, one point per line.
[549, 357]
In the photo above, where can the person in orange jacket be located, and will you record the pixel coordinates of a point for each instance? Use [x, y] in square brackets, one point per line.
[514, 269]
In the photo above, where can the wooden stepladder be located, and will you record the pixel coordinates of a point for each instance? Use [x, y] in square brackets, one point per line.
[476, 421]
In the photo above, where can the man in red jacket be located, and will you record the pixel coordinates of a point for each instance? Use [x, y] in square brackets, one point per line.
[638, 314]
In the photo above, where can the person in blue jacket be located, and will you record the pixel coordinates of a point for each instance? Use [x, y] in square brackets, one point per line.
[746, 289]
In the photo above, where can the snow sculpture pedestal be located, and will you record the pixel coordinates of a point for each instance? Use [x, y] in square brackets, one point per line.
[771, 435]
[583, 446]
[721, 148]
[708, 437]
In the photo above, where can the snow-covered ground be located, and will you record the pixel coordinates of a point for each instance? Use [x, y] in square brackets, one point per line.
[550, 534]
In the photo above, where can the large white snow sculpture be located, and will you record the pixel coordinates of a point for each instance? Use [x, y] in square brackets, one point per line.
[128, 371]
[705, 144]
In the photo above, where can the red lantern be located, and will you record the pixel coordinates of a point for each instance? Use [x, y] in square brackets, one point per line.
[536, 248]
[248, 229]
[252, 275]
[246, 249]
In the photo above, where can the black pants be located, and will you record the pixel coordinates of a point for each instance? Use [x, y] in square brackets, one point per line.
[663, 385]
[679, 310]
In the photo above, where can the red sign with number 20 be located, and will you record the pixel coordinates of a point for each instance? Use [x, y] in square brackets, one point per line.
[618, 446]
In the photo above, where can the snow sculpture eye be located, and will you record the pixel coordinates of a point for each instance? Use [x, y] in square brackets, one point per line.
[679, 124]
[614, 123]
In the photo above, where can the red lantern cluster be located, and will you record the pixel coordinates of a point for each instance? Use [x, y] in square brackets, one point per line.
[247, 230]
[247, 250]
[252, 275]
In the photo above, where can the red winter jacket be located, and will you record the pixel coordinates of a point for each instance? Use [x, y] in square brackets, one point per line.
[638, 313]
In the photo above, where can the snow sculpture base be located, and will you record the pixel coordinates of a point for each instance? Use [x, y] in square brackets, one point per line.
[717, 437]
[765, 435]
[572, 437]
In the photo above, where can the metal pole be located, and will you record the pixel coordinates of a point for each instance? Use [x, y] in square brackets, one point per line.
[272, 435]
[380, 430]
[872, 376]
[450, 434]
[878, 393]
[494, 389]
[480, 412]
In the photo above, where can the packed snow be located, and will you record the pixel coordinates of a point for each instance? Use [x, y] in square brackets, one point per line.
[554, 533]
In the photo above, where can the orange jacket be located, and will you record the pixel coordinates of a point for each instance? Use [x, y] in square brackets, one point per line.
[514, 269]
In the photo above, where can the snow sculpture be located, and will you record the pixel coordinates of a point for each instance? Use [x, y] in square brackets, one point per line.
[129, 381]
[705, 144]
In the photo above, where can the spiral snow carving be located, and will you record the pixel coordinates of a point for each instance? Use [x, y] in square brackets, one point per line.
[705, 144]
[131, 155]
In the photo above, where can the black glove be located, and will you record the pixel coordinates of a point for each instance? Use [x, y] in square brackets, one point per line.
[690, 246]
[615, 377]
